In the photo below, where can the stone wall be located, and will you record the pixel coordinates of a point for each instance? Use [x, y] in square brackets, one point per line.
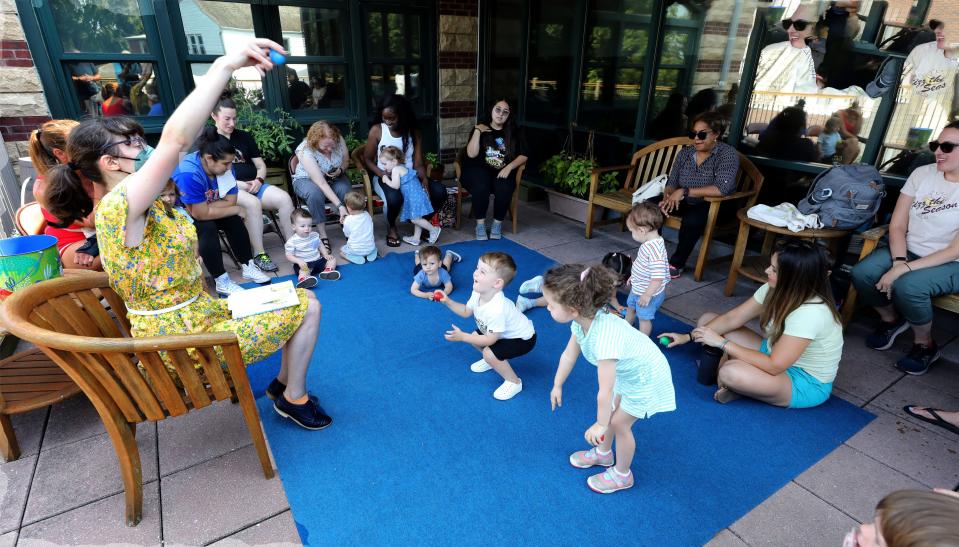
[458, 50]
[22, 103]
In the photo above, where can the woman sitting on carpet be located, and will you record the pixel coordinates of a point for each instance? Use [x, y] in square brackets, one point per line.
[796, 362]
[148, 250]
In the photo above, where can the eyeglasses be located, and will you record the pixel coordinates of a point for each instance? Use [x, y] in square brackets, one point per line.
[135, 141]
[503, 111]
[698, 136]
[799, 24]
[947, 147]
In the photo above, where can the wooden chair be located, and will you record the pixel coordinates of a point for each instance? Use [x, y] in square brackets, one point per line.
[657, 159]
[514, 205]
[29, 219]
[360, 164]
[28, 381]
[870, 242]
[126, 378]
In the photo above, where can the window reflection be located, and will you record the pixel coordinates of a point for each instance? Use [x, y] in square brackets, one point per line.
[121, 88]
[247, 78]
[213, 27]
[549, 63]
[316, 86]
[101, 27]
[394, 44]
[311, 31]
[506, 23]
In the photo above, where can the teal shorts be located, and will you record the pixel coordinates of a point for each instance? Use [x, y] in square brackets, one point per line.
[806, 391]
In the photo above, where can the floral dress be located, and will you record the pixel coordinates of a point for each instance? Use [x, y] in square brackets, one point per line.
[162, 272]
[416, 204]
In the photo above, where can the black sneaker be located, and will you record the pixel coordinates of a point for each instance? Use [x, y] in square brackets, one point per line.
[674, 272]
[919, 359]
[309, 415]
[885, 334]
[275, 390]
[307, 282]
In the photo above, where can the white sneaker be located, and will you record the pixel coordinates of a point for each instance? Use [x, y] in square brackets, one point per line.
[532, 285]
[410, 240]
[508, 390]
[254, 274]
[225, 286]
[480, 366]
[434, 234]
[456, 256]
[523, 303]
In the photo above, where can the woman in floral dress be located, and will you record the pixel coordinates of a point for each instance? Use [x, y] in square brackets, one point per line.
[149, 249]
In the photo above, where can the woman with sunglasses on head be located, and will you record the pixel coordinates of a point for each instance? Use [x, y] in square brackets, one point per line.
[706, 169]
[148, 248]
[47, 148]
[495, 150]
[795, 360]
[922, 259]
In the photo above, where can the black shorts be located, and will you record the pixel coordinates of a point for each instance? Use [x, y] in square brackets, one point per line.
[511, 348]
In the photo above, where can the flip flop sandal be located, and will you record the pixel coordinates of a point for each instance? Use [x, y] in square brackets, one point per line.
[326, 243]
[935, 420]
[392, 241]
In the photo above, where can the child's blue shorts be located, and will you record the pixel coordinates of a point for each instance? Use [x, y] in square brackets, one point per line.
[646, 313]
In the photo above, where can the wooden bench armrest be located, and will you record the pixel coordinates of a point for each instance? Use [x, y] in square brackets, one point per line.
[600, 170]
[734, 195]
[875, 234]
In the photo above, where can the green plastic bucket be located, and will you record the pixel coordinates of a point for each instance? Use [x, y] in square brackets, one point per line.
[27, 260]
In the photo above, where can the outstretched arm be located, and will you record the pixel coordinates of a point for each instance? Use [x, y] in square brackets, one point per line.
[566, 363]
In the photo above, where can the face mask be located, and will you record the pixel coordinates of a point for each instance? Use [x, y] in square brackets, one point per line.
[140, 159]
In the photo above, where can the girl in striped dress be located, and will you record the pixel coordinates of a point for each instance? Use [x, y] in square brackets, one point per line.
[634, 377]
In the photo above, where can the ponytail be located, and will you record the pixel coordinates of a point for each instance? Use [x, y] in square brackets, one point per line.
[50, 136]
[65, 197]
[212, 143]
[584, 289]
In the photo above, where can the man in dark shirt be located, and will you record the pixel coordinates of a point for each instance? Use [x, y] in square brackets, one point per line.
[299, 91]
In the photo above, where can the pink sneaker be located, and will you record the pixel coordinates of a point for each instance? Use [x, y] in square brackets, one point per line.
[589, 458]
[609, 481]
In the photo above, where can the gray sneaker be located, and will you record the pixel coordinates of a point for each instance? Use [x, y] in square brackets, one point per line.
[264, 263]
[496, 231]
[481, 230]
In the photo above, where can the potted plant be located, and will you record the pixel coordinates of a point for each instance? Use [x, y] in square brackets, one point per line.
[434, 167]
[353, 142]
[570, 176]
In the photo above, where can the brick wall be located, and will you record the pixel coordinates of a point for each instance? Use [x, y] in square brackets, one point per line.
[22, 103]
[712, 44]
[457, 55]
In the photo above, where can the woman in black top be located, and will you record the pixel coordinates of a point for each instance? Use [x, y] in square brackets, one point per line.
[495, 149]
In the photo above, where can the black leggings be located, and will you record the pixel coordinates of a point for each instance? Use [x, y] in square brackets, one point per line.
[394, 200]
[207, 232]
[481, 182]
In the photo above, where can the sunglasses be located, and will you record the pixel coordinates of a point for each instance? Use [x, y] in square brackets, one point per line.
[698, 136]
[799, 24]
[136, 141]
[947, 147]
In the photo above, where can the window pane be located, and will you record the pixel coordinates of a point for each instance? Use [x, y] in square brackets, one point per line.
[506, 25]
[213, 27]
[100, 27]
[119, 88]
[375, 34]
[247, 78]
[312, 31]
[613, 67]
[549, 63]
[316, 86]
[396, 35]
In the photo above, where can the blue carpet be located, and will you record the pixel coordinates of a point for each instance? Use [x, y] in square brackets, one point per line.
[420, 453]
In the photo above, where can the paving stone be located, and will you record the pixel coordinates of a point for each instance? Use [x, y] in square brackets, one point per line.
[9, 539]
[15, 480]
[691, 305]
[943, 375]
[793, 516]
[278, 530]
[578, 251]
[931, 459]
[858, 401]
[726, 539]
[541, 237]
[218, 498]
[186, 440]
[70, 421]
[865, 372]
[78, 473]
[101, 522]
[28, 427]
[911, 391]
[853, 482]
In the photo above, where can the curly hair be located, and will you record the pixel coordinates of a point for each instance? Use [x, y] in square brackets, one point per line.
[581, 288]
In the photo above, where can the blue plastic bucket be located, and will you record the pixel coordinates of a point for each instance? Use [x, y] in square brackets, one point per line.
[26, 260]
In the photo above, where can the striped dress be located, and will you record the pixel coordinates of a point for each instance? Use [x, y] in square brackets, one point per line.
[643, 378]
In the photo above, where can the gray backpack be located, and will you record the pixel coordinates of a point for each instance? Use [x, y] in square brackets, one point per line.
[845, 196]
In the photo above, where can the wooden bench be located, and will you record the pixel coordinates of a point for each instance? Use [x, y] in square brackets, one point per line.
[657, 159]
[870, 242]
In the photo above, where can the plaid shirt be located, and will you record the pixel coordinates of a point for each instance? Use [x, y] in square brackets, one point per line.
[718, 170]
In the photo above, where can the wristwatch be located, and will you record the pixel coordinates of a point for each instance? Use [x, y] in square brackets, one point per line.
[685, 192]
[900, 259]
[259, 179]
